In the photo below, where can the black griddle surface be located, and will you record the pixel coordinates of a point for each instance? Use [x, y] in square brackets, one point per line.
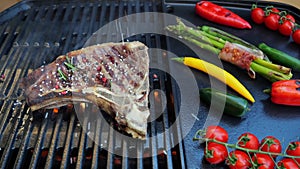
[264, 117]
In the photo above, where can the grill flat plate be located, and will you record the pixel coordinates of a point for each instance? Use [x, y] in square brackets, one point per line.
[264, 118]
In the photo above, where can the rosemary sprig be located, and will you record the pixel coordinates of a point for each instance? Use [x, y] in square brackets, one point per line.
[62, 75]
[69, 63]
[70, 66]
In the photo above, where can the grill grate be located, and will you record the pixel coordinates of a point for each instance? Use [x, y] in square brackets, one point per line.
[33, 37]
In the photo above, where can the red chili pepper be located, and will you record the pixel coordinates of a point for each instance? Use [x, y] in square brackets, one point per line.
[220, 15]
[286, 92]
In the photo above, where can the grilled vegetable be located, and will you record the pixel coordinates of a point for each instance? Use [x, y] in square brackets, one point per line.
[233, 39]
[232, 49]
[220, 15]
[218, 73]
[270, 71]
[285, 92]
[234, 105]
[280, 57]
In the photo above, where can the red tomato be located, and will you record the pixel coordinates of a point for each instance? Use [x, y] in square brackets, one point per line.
[249, 141]
[286, 28]
[238, 160]
[215, 153]
[288, 163]
[290, 18]
[275, 10]
[271, 144]
[216, 132]
[296, 36]
[263, 161]
[258, 15]
[294, 150]
[272, 21]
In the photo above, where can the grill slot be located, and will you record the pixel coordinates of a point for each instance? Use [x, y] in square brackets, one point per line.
[46, 139]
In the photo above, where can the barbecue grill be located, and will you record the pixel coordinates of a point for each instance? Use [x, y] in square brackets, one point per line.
[34, 33]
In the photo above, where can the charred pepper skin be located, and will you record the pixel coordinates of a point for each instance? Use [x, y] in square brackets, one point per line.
[286, 92]
[220, 15]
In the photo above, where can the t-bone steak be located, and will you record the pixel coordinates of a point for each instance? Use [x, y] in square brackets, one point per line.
[115, 76]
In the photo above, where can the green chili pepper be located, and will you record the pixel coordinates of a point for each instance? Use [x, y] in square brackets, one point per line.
[234, 105]
[280, 57]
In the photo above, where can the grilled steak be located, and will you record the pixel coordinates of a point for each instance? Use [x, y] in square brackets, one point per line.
[115, 76]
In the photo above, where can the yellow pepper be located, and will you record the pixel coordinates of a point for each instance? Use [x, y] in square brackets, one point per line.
[218, 73]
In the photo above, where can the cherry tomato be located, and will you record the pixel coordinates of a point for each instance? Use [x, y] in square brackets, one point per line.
[272, 21]
[294, 150]
[288, 163]
[296, 36]
[215, 153]
[275, 10]
[216, 132]
[286, 28]
[263, 161]
[238, 160]
[248, 140]
[289, 18]
[271, 144]
[287, 25]
[258, 15]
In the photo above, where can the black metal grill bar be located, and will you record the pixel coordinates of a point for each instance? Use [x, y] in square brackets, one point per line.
[37, 151]
[62, 136]
[67, 150]
[52, 149]
[81, 146]
[24, 137]
[96, 150]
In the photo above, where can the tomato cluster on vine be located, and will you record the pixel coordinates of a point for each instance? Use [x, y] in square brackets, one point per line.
[276, 20]
[248, 151]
